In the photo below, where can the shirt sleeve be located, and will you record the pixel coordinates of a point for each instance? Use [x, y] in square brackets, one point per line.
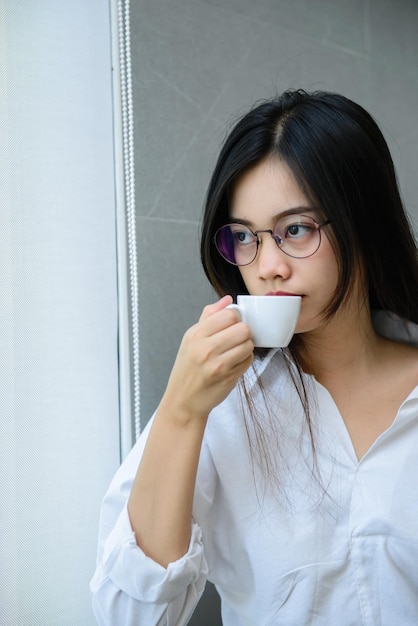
[130, 588]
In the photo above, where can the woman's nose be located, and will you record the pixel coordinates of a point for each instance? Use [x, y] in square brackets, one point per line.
[272, 261]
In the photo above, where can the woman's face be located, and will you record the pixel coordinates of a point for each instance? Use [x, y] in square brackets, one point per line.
[260, 197]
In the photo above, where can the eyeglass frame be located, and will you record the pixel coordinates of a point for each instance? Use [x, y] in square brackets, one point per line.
[259, 242]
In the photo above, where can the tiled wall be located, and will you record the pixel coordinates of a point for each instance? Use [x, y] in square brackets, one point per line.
[197, 64]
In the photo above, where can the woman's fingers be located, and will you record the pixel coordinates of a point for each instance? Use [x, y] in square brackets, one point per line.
[210, 309]
[214, 353]
[217, 317]
[217, 334]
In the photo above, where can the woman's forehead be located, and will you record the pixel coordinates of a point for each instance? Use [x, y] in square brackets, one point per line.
[269, 189]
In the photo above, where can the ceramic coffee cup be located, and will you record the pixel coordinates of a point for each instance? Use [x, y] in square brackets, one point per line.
[272, 319]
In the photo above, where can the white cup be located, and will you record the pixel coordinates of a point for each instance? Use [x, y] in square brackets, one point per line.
[272, 319]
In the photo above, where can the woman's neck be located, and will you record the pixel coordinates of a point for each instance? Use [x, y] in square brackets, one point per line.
[346, 346]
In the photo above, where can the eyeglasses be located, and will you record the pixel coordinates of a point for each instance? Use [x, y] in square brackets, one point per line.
[298, 236]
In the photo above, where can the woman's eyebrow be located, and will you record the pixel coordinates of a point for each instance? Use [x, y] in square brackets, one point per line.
[299, 210]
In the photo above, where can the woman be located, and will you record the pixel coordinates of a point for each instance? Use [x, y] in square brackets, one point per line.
[286, 477]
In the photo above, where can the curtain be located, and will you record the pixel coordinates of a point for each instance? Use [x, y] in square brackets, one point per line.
[62, 326]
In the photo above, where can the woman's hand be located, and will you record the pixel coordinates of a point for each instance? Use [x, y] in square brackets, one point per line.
[213, 354]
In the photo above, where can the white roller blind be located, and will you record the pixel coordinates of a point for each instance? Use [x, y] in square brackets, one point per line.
[59, 392]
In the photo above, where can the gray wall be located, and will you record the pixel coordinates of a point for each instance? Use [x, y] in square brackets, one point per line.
[197, 64]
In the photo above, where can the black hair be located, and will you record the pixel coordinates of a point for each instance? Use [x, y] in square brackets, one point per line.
[342, 163]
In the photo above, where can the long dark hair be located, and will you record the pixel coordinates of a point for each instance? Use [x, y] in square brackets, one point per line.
[342, 163]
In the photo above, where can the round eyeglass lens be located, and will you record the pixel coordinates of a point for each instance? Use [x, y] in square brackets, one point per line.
[237, 244]
[297, 235]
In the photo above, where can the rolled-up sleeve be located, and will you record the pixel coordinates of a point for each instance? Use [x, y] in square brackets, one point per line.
[129, 588]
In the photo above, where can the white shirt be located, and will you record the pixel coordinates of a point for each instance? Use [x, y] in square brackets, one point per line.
[333, 545]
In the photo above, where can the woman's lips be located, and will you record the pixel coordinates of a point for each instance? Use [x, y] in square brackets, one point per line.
[280, 293]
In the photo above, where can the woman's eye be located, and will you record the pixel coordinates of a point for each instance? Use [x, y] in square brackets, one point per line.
[298, 230]
[243, 237]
